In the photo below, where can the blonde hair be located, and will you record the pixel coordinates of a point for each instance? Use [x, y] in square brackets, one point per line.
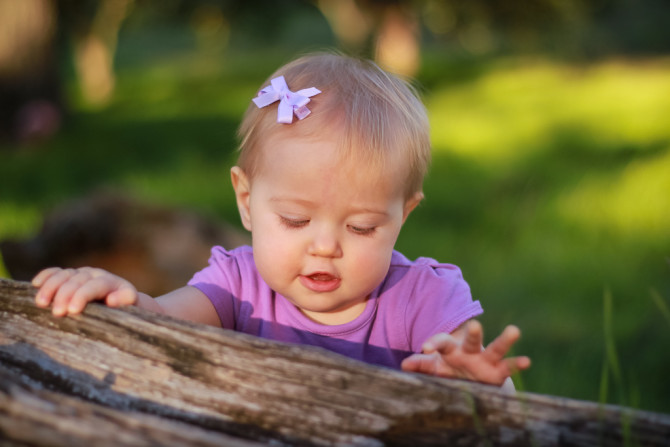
[376, 116]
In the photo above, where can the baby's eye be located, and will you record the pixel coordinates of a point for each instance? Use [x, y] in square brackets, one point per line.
[363, 231]
[293, 223]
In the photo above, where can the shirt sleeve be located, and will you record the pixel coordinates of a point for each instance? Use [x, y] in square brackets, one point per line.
[439, 302]
[220, 281]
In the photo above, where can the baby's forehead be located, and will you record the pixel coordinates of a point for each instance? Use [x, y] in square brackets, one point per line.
[353, 150]
[335, 163]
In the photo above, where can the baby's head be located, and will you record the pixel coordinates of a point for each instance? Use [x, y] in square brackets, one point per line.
[376, 118]
[326, 196]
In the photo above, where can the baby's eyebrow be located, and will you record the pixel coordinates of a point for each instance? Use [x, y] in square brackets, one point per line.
[297, 200]
[312, 204]
[365, 210]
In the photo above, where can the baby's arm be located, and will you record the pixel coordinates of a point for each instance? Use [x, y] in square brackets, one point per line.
[460, 355]
[68, 291]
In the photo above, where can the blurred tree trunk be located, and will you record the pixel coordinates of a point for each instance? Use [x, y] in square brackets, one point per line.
[29, 85]
[393, 27]
[397, 45]
[94, 40]
[350, 24]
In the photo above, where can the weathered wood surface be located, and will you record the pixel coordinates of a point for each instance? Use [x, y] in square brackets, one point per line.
[132, 377]
[30, 416]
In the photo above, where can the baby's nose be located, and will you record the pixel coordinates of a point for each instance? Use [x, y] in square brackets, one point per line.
[326, 244]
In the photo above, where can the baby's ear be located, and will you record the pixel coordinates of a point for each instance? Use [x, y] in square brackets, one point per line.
[241, 186]
[410, 204]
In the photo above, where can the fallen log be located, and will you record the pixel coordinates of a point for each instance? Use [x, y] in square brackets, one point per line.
[40, 417]
[134, 374]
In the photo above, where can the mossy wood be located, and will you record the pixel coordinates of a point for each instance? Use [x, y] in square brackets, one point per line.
[131, 377]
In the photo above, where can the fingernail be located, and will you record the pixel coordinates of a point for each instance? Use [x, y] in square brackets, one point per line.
[73, 309]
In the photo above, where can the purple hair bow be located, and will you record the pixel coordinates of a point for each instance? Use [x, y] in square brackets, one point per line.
[289, 102]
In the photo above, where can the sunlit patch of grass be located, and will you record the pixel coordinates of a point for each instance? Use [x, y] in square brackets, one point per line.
[497, 115]
[624, 101]
[512, 110]
[633, 202]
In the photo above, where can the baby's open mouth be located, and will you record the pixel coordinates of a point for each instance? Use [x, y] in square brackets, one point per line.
[320, 282]
[321, 277]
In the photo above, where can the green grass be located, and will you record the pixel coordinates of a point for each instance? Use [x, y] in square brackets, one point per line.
[549, 188]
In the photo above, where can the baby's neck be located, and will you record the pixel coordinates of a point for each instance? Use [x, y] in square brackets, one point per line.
[337, 317]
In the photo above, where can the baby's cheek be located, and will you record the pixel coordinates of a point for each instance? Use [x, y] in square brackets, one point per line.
[275, 262]
[372, 265]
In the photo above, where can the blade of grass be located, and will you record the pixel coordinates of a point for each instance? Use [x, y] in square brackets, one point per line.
[604, 383]
[3, 271]
[610, 346]
[660, 303]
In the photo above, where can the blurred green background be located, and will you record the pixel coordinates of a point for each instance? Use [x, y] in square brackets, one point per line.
[550, 126]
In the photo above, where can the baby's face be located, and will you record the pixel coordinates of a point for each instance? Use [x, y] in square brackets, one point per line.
[323, 229]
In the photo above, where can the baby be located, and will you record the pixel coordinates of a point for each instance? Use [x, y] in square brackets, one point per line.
[327, 175]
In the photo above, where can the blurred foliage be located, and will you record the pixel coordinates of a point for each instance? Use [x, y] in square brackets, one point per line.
[551, 169]
[571, 28]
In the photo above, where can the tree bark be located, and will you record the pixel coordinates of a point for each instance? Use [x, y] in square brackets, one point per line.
[30, 416]
[185, 383]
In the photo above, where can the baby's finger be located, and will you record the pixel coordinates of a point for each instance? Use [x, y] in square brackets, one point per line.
[498, 348]
[472, 343]
[516, 364]
[504, 369]
[43, 275]
[443, 343]
[90, 290]
[51, 282]
[66, 291]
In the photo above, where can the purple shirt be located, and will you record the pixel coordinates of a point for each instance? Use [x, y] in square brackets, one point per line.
[416, 300]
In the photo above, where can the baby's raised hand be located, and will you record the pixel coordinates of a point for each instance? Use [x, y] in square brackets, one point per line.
[68, 291]
[460, 355]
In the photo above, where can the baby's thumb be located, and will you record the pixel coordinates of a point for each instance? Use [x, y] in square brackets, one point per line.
[125, 296]
[443, 343]
[421, 363]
